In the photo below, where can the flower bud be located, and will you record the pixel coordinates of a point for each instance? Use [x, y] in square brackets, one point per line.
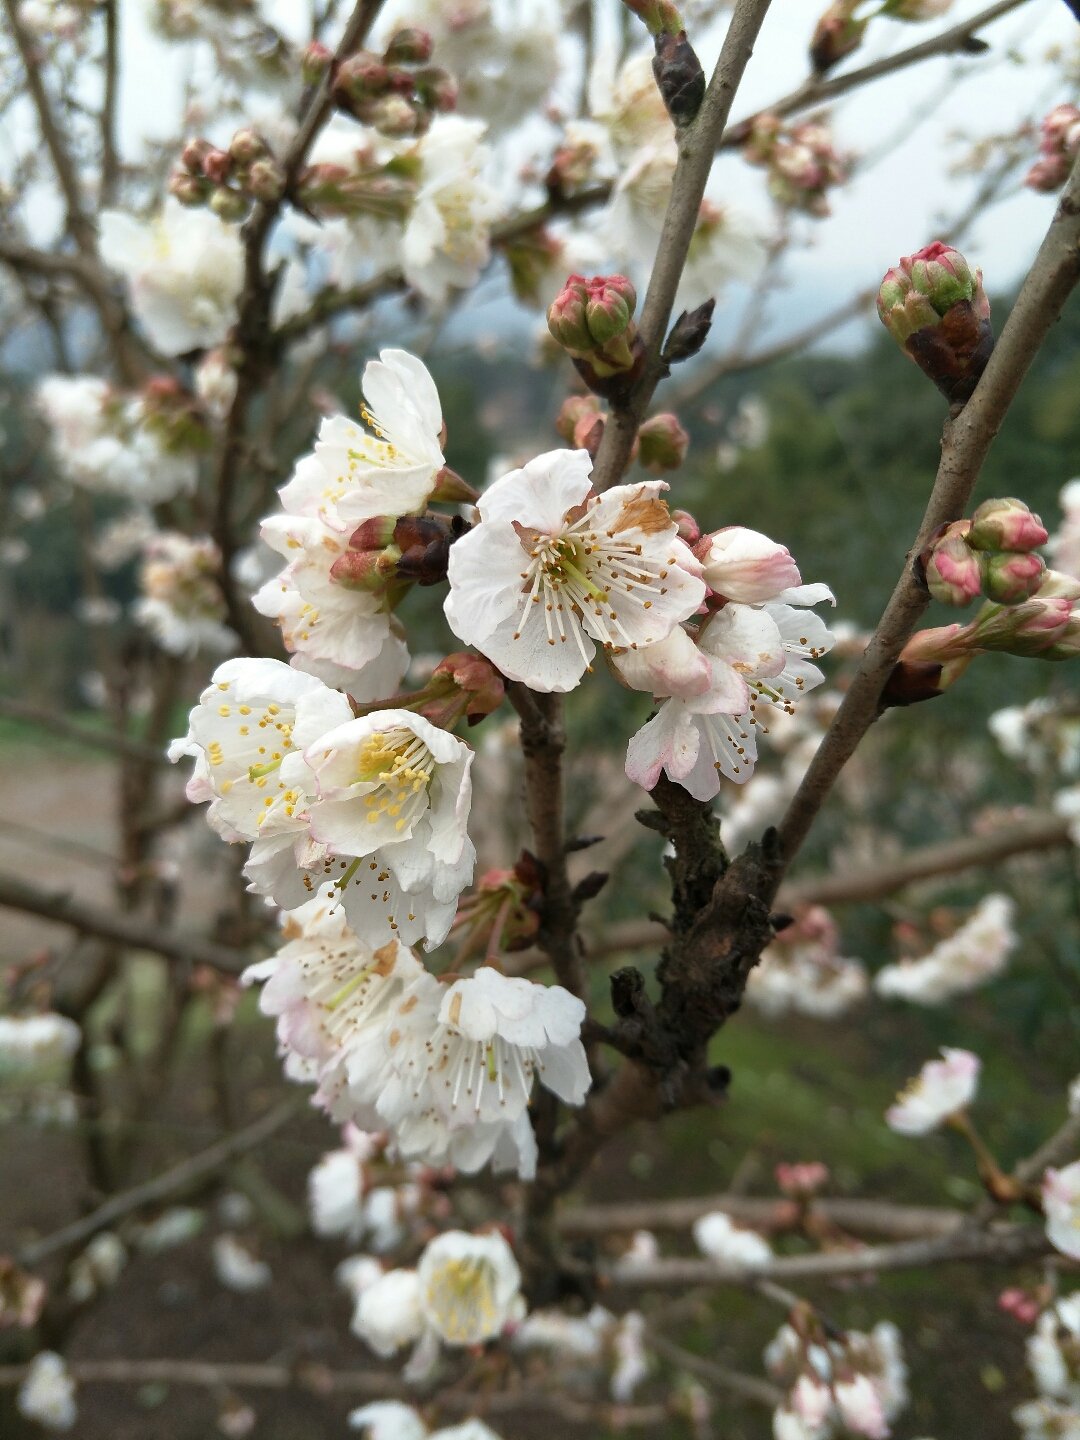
[361, 77]
[1027, 629]
[452, 489]
[952, 569]
[316, 62]
[409, 46]
[391, 115]
[247, 146]
[471, 681]
[1057, 585]
[194, 154]
[679, 76]
[664, 443]
[689, 529]
[370, 570]
[188, 189]
[373, 534]
[1006, 525]
[217, 166]
[935, 308]
[228, 205]
[574, 410]
[836, 35]
[436, 89]
[660, 16]
[566, 317]
[1010, 577]
[1067, 645]
[609, 308]
[265, 180]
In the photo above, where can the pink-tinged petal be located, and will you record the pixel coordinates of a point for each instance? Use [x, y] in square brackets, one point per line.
[539, 495]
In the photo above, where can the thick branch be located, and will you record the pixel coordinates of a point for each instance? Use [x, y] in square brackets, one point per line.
[185, 1176]
[965, 444]
[61, 909]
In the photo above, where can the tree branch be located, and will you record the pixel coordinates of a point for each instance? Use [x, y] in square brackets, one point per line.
[61, 909]
[871, 1217]
[124, 745]
[966, 442]
[185, 1176]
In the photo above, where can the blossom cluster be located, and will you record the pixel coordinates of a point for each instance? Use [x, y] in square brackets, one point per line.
[855, 1384]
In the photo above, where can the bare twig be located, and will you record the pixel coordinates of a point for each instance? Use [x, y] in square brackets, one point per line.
[60, 908]
[965, 443]
[110, 160]
[39, 716]
[715, 1375]
[185, 1176]
[871, 1217]
[1006, 1246]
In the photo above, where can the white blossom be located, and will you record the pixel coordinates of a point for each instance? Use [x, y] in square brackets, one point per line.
[1061, 1205]
[717, 1236]
[388, 1313]
[976, 952]
[33, 1043]
[336, 1188]
[1063, 547]
[98, 1267]
[184, 270]
[356, 474]
[940, 1089]
[181, 603]
[236, 1267]
[803, 971]
[47, 1395]
[388, 1420]
[1047, 1420]
[551, 571]
[1053, 1350]
[631, 1357]
[447, 235]
[470, 1287]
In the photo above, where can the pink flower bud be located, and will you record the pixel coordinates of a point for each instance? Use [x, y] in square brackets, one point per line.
[188, 189]
[689, 529]
[574, 410]
[452, 489]
[802, 1180]
[1067, 645]
[860, 1406]
[1006, 525]
[1009, 578]
[436, 89]
[1028, 629]
[316, 62]
[247, 146]
[391, 115]
[610, 307]
[410, 46]
[935, 307]
[361, 77]
[373, 534]
[479, 685]
[664, 443]
[566, 317]
[217, 166]
[1020, 1305]
[369, 570]
[194, 154]
[952, 569]
[745, 566]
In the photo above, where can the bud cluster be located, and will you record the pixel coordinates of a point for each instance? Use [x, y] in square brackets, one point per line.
[227, 181]
[934, 306]
[593, 321]
[396, 93]
[661, 442]
[801, 160]
[368, 185]
[1059, 145]
[173, 416]
[991, 555]
[503, 912]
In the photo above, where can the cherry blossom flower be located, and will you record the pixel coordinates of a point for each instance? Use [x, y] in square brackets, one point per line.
[802, 970]
[1064, 545]
[976, 952]
[388, 1313]
[337, 1185]
[1061, 1205]
[388, 1420]
[631, 1357]
[237, 1267]
[1053, 1350]
[717, 1236]
[184, 271]
[181, 601]
[355, 475]
[98, 1267]
[940, 1089]
[47, 1395]
[551, 571]
[447, 235]
[1047, 1420]
[470, 1287]
[32, 1044]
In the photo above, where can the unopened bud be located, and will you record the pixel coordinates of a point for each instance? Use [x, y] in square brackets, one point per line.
[247, 146]
[217, 166]
[1027, 629]
[952, 569]
[373, 534]
[436, 89]
[1067, 645]
[188, 189]
[316, 62]
[265, 180]
[610, 307]
[369, 570]
[688, 527]
[194, 154]
[362, 76]
[679, 76]
[664, 443]
[1009, 577]
[935, 307]
[566, 316]
[1056, 585]
[452, 489]
[836, 35]
[228, 204]
[1006, 525]
[410, 46]
[659, 16]
[574, 410]
[478, 685]
[391, 115]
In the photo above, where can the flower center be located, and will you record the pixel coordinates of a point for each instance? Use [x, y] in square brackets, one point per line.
[462, 1295]
[400, 767]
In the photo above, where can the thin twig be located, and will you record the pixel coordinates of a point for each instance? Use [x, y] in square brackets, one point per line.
[52, 720]
[870, 1217]
[965, 444]
[185, 1176]
[715, 1375]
